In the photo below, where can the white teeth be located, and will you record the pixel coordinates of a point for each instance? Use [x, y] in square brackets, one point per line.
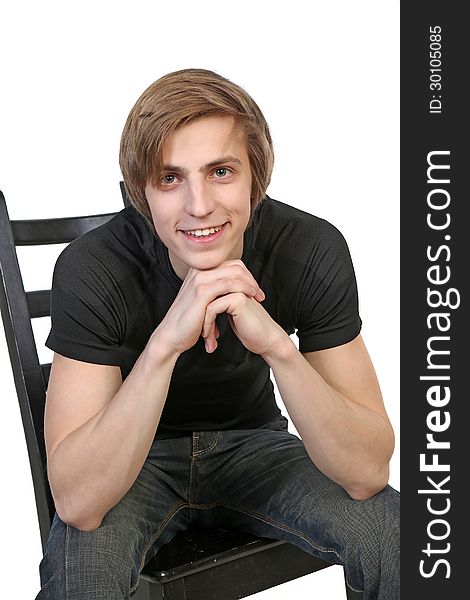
[203, 232]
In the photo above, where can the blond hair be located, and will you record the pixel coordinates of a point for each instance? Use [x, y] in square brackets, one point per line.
[175, 100]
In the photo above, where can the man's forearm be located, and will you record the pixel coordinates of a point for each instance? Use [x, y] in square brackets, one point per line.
[349, 442]
[94, 467]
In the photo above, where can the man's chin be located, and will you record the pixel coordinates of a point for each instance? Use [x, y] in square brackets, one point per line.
[181, 264]
[206, 265]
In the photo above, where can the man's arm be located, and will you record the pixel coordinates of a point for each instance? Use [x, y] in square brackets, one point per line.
[332, 396]
[334, 400]
[99, 430]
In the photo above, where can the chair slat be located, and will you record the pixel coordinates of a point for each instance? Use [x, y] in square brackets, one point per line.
[46, 371]
[17, 308]
[55, 231]
[39, 303]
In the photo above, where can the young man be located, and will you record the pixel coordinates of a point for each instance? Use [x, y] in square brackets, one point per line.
[166, 323]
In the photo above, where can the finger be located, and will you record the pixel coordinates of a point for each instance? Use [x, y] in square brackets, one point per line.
[210, 333]
[239, 266]
[230, 277]
[212, 340]
[211, 344]
[260, 295]
[230, 303]
[208, 290]
[208, 325]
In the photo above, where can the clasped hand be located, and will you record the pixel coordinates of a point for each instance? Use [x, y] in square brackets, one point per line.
[229, 288]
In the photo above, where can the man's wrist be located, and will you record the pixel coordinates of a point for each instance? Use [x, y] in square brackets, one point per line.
[280, 350]
[159, 350]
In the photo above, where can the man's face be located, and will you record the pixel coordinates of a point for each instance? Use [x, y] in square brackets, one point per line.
[200, 204]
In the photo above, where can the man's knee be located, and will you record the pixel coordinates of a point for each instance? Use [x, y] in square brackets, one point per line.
[377, 520]
[372, 543]
[76, 561]
[373, 546]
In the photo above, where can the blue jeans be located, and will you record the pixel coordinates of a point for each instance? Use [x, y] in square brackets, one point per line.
[257, 480]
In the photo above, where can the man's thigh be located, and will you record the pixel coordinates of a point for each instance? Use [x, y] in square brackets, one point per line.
[154, 509]
[263, 481]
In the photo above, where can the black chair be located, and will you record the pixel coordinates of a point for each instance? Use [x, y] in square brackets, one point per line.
[206, 564]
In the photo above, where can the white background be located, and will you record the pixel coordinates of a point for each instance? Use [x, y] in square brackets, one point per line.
[325, 74]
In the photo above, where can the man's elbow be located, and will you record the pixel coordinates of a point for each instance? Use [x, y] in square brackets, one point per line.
[81, 522]
[364, 493]
[84, 525]
[366, 490]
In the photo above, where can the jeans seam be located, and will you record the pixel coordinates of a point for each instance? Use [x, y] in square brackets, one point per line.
[165, 521]
[192, 479]
[350, 586]
[66, 554]
[195, 455]
[269, 521]
[212, 445]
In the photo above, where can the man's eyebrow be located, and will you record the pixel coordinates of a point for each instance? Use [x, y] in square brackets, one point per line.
[213, 163]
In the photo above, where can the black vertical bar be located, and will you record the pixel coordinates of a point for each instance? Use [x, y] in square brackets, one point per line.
[435, 236]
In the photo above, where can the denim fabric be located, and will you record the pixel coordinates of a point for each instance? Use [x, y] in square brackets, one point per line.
[256, 480]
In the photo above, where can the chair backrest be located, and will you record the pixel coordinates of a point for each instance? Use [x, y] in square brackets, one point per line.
[18, 308]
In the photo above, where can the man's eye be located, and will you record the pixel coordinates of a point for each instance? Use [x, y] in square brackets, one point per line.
[168, 179]
[222, 172]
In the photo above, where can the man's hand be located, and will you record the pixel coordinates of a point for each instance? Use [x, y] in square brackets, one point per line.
[251, 323]
[184, 321]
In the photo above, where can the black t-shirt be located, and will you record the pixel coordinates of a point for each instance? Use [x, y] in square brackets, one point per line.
[113, 285]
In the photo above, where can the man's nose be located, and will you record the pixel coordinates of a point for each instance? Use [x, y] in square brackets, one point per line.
[199, 200]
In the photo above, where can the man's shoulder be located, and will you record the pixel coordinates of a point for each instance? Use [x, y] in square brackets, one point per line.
[294, 230]
[116, 247]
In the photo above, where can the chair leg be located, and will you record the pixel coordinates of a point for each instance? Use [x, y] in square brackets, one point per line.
[148, 591]
[351, 594]
[155, 591]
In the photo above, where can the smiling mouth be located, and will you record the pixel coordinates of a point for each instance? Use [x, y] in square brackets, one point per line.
[201, 233]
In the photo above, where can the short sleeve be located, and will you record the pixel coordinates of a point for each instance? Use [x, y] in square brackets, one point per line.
[327, 304]
[87, 310]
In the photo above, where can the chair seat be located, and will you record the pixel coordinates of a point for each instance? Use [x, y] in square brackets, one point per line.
[209, 564]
